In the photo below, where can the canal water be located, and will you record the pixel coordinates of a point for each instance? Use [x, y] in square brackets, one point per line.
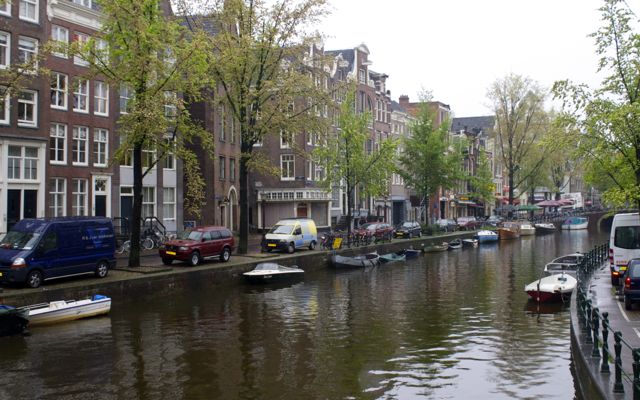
[451, 325]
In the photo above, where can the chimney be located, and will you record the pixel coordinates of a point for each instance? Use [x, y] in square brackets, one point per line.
[404, 101]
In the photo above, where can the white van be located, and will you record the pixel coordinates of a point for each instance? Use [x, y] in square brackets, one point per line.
[291, 234]
[624, 243]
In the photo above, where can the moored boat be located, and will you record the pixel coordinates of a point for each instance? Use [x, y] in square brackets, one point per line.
[12, 320]
[411, 253]
[575, 223]
[455, 244]
[487, 236]
[392, 257]
[545, 227]
[470, 242]
[361, 261]
[509, 230]
[67, 310]
[270, 272]
[432, 248]
[567, 264]
[526, 229]
[554, 287]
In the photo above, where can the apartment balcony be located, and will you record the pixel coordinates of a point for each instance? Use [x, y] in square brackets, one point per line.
[284, 195]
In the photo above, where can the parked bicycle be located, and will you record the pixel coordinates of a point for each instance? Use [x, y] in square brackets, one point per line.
[146, 243]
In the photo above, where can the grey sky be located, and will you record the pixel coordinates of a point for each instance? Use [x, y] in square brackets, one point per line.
[457, 48]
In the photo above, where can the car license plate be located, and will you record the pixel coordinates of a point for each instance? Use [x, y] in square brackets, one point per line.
[271, 245]
[400, 233]
[0, 274]
[171, 253]
[623, 268]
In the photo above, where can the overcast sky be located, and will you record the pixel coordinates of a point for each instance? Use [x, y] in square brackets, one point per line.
[457, 48]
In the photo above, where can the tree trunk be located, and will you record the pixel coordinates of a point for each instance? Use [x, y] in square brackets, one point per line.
[349, 203]
[243, 244]
[511, 173]
[136, 213]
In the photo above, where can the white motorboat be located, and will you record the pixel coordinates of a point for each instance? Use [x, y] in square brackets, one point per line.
[67, 310]
[575, 223]
[527, 229]
[470, 242]
[567, 263]
[487, 236]
[554, 287]
[269, 272]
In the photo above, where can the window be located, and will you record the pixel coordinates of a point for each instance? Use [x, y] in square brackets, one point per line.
[170, 107]
[148, 201]
[169, 157]
[319, 173]
[169, 203]
[125, 96]
[287, 170]
[86, 3]
[27, 52]
[79, 195]
[5, 49]
[28, 10]
[232, 169]
[58, 144]
[101, 98]
[221, 167]
[222, 125]
[59, 89]
[5, 8]
[79, 146]
[232, 129]
[60, 35]
[22, 163]
[362, 76]
[100, 147]
[57, 191]
[28, 108]
[102, 50]
[82, 38]
[286, 139]
[4, 107]
[81, 95]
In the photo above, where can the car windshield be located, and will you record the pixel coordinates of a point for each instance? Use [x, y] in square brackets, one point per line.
[407, 225]
[18, 240]
[190, 235]
[282, 229]
[371, 227]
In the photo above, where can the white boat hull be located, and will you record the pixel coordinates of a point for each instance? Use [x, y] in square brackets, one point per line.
[67, 310]
[551, 288]
[572, 227]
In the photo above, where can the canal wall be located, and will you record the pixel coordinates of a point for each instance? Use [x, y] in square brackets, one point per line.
[135, 284]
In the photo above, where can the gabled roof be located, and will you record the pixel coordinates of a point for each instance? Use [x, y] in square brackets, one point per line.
[473, 125]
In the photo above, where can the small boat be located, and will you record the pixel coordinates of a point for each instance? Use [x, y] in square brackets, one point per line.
[411, 253]
[432, 248]
[575, 223]
[554, 287]
[567, 264]
[544, 227]
[12, 320]
[509, 230]
[67, 310]
[487, 236]
[470, 242]
[455, 244]
[361, 261]
[526, 229]
[392, 257]
[270, 272]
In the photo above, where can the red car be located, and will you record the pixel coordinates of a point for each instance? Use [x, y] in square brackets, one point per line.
[378, 229]
[198, 244]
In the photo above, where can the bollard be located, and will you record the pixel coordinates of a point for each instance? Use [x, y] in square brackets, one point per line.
[595, 324]
[587, 320]
[605, 345]
[636, 374]
[617, 386]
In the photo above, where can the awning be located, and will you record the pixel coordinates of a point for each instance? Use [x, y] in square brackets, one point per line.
[466, 202]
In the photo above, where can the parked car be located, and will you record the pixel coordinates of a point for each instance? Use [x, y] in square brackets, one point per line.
[447, 225]
[195, 245]
[631, 279]
[494, 220]
[408, 229]
[468, 223]
[378, 229]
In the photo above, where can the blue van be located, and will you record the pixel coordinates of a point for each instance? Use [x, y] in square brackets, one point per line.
[36, 250]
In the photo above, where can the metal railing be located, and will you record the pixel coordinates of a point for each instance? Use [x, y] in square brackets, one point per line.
[596, 328]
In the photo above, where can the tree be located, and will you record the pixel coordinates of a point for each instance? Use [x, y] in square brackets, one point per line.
[151, 55]
[352, 160]
[521, 121]
[482, 185]
[608, 118]
[270, 81]
[428, 162]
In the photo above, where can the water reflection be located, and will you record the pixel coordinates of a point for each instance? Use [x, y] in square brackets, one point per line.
[445, 325]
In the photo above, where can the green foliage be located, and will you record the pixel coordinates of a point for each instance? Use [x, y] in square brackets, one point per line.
[482, 182]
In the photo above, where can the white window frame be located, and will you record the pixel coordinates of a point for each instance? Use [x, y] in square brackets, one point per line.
[169, 203]
[23, 104]
[170, 107]
[57, 143]
[125, 95]
[6, 60]
[86, 3]
[290, 161]
[83, 38]
[5, 9]
[169, 157]
[59, 90]
[79, 94]
[58, 197]
[148, 201]
[80, 146]
[28, 10]
[60, 34]
[100, 147]
[284, 143]
[27, 52]
[5, 116]
[100, 98]
[22, 163]
[80, 197]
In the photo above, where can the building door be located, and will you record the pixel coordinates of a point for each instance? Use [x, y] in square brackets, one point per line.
[100, 196]
[21, 204]
[13, 207]
[30, 204]
[301, 210]
[126, 207]
[398, 212]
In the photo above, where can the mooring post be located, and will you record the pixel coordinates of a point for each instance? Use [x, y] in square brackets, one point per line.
[587, 328]
[596, 325]
[636, 374]
[605, 343]
[617, 386]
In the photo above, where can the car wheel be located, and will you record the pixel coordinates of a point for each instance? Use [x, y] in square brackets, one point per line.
[34, 279]
[102, 269]
[194, 259]
[627, 303]
[226, 254]
[291, 248]
[312, 245]
[167, 261]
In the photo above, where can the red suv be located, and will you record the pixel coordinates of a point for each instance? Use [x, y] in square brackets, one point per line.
[197, 244]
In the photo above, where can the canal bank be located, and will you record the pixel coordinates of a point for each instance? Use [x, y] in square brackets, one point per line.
[133, 283]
